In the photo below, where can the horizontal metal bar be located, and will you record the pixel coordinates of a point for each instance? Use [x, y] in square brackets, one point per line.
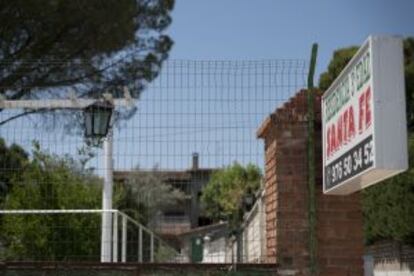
[76, 211]
[55, 265]
[56, 211]
[57, 104]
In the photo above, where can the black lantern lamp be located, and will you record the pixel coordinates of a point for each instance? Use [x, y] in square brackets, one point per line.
[248, 200]
[97, 119]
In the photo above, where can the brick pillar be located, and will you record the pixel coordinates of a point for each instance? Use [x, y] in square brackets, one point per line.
[339, 218]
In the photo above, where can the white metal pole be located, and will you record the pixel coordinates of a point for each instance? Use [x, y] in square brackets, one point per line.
[107, 200]
[124, 239]
[115, 237]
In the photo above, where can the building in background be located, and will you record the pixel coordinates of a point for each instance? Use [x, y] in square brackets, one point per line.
[188, 214]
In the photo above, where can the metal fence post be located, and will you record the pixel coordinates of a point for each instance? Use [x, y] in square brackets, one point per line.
[311, 163]
[140, 244]
[124, 239]
[152, 248]
[115, 238]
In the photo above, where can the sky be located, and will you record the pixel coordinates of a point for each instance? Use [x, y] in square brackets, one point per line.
[273, 29]
[224, 131]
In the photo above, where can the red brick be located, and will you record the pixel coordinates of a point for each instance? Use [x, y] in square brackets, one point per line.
[339, 218]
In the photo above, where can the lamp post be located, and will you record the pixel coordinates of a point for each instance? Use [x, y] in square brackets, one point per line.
[97, 115]
[98, 125]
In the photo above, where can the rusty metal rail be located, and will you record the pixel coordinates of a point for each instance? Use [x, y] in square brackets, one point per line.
[76, 268]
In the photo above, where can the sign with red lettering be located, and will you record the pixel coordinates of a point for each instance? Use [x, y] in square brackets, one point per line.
[363, 119]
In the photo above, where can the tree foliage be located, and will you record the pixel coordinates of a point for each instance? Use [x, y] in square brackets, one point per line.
[92, 46]
[13, 159]
[388, 206]
[50, 182]
[223, 196]
[338, 62]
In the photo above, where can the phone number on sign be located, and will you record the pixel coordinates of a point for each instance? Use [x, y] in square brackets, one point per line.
[354, 161]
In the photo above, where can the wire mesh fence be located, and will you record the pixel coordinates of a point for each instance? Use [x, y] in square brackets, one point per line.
[194, 122]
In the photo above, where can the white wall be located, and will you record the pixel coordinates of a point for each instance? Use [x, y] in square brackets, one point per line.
[224, 249]
[215, 251]
[254, 234]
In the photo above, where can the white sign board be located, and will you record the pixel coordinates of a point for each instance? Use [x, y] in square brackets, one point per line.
[363, 119]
